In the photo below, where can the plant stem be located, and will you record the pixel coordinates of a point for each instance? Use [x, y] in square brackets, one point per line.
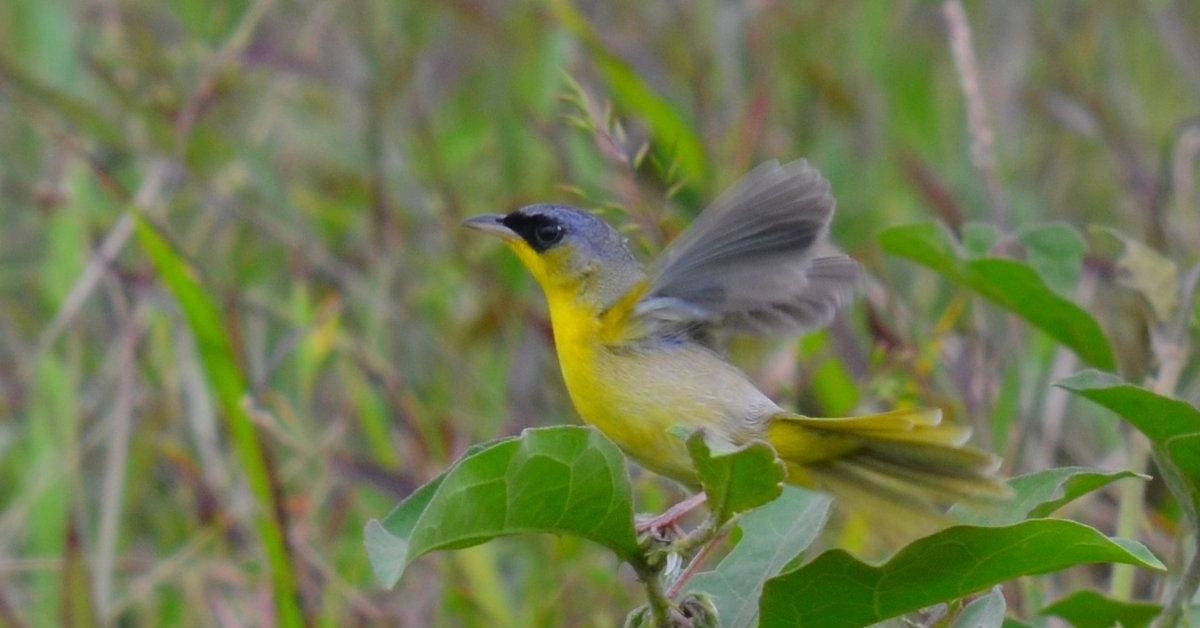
[660, 605]
[1129, 513]
[1171, 353]
[969, 79]
[701, 535]
[696, 563]
[1182, 597]
[706, 535]
[1173, 359]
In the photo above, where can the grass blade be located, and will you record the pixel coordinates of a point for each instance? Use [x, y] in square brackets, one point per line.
[228, 382]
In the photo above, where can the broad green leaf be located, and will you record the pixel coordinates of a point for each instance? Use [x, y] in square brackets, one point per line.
[1008, 283]
[926, 243]
[979, 238]
[772, 536]
[562, 480]
[738, 479]
[1147, 272]
[836, 589]
[1056, 251]
[386, 551]
[228, 382]
[1049, 490]
[1172, 425]
[985, 611]
[1039, 494]
[1089, 609]
[387, 545]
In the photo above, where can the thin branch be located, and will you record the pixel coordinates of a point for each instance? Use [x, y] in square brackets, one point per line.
[229, 51]
[1054, 405]
[1178, 603]
[696, 563]
[1169, 343]
[148, 196]
[113, 486]
[1174, 356]
[982, 155]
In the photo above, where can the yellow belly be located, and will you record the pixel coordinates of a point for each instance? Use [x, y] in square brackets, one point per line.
[635, 395]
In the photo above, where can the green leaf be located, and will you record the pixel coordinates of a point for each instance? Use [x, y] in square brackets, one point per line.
[1039, 494]
[228, 382]
[736, 480]
[926, 243]
[1056, 251]
[1089, 609]
[838, 590]
[979, 238]
[1008, 283]
[985, 611]
[772, 536]
[1054, 488]
[387, 547]
[1172, 425]
[1146, 271]
[563, 480]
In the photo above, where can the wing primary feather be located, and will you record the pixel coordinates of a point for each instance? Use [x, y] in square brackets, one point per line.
[748, 262]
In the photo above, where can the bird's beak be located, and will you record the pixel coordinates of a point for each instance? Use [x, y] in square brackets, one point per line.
[491, 223]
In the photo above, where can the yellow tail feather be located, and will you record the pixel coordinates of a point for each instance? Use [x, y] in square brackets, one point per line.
[900, 469]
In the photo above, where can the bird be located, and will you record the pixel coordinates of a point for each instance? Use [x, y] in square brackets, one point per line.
[640, 348]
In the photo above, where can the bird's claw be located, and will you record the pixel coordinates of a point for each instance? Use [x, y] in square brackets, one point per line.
[670, 517]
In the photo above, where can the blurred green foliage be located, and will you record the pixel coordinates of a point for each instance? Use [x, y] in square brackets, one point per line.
[309, 162]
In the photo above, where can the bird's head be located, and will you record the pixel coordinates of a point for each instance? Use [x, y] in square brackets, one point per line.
[568, 250]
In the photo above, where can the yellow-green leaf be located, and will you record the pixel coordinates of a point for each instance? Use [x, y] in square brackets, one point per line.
[838, 590]
[1008, 283]
[562, 480]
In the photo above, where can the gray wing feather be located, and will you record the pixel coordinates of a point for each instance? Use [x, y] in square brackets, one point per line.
[748, 262]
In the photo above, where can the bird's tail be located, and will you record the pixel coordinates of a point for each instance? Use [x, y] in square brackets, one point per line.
[900, 468]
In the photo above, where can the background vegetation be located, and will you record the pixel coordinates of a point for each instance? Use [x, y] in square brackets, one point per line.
[238, 318]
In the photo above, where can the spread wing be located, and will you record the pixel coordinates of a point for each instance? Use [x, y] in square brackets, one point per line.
[749, 263]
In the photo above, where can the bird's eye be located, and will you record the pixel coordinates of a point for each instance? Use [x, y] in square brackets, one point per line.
[548, 234]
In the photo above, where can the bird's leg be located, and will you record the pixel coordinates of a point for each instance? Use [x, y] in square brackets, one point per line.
[672, 514]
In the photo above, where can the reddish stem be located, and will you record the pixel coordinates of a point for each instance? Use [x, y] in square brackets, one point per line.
[672, 514]
[694, 565]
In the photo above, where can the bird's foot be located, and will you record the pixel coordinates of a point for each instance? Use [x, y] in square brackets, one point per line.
[669, 519]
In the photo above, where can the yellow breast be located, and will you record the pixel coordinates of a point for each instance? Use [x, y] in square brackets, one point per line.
[635, 395]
